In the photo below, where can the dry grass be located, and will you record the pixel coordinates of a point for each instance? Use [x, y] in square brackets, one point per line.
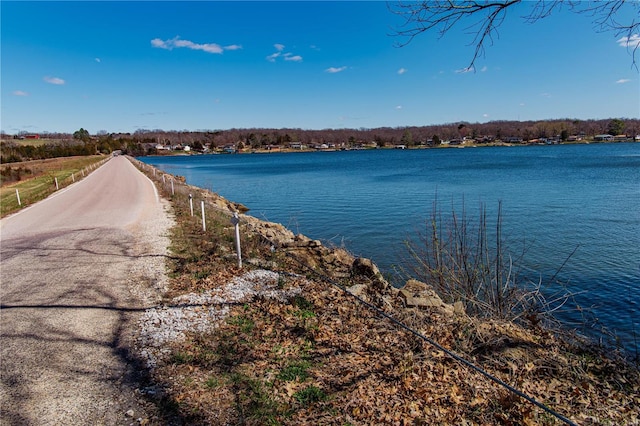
[35, 180]
[323, 358]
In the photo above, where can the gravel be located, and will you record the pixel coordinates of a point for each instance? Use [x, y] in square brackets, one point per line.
[202, 312]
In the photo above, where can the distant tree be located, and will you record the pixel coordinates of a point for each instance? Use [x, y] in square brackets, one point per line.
[380, 142]
[407, 138]
[616, 127]
[436, 140]
[564, 134]
[197, 145]
[82, 135]
[463, 130]
[481, 18]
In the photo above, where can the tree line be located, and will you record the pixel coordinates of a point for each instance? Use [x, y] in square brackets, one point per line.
[143, 142]
[388, 136]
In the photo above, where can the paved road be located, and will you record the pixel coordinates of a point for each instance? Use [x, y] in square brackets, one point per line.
[73, 272]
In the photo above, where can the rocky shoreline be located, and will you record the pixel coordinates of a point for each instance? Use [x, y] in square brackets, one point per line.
[224, 339]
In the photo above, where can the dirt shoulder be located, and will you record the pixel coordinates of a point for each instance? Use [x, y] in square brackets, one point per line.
[301, 335]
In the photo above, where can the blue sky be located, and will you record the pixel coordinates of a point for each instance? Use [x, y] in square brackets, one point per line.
[124, 66]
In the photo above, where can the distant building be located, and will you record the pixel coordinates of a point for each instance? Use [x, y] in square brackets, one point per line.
[33, 136]
[513, 140]
[603, 138]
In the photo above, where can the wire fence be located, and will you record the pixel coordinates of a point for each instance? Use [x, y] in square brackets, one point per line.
[181, 192]
[14, 199]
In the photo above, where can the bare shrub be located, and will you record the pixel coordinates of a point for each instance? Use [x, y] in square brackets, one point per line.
[467, 261]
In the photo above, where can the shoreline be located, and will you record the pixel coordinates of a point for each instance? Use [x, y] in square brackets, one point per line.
[325, 328]
[221, 151]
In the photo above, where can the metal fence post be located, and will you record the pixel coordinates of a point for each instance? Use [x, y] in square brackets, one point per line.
[236, 223]
[204, 223]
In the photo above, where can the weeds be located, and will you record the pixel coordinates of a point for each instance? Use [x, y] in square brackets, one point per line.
[245, 324]
[464, 261]
[295, 371]
[309, 395]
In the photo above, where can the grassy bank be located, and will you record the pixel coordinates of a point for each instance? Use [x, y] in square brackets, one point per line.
[307, 351]
[36, 180]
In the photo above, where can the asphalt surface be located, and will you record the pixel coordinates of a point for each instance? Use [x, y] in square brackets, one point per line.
[71, 270]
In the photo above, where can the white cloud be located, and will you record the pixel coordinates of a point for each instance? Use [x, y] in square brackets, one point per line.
[98, 60]
[273, 57]
[465, 70]
[333, 70]
[623, 80]
[632, 41]
[293, 58]
[54, 80]
[398, 106]
[287, 56]
[484, 69]
[156, 42]
[20, 93]
[485, 115]
[177, 42]
[545, 95]
[402, 71]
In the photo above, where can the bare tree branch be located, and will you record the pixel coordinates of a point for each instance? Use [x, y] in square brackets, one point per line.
[481, 19]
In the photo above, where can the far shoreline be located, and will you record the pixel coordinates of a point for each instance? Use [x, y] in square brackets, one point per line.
[281, 150]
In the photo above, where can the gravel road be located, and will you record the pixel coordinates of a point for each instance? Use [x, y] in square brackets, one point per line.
[76, 273]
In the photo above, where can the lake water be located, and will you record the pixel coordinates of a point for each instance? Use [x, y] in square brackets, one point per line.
[556, 199]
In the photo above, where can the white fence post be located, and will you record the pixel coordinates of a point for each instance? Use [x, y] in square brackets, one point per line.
[191, 203]
[56, 179]
[204, 223]
[236, 223]
[18, 197]
[73, 178]
[172, 191]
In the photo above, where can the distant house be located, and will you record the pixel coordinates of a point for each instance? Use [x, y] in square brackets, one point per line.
[603, 138]
[295, 145]
[513, 140]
